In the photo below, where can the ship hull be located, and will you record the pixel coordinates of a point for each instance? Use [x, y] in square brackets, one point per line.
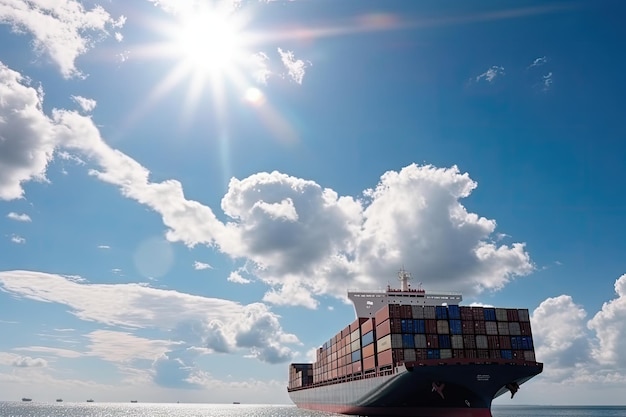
[420, 390]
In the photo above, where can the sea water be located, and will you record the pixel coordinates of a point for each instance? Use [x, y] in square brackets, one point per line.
[68, 409]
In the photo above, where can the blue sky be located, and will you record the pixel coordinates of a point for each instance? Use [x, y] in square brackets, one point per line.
[188, 189]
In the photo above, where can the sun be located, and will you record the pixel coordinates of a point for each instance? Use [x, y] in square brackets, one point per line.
[209, 41]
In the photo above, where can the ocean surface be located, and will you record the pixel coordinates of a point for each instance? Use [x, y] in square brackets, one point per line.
[42, 409]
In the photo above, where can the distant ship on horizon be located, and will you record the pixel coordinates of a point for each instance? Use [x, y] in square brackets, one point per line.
[27, 399]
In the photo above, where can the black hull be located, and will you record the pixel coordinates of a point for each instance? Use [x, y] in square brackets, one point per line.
[467, 390]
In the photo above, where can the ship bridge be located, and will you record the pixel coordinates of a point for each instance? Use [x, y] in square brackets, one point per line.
[367, 303]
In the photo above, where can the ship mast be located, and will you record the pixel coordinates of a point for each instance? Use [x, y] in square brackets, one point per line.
[404, 278]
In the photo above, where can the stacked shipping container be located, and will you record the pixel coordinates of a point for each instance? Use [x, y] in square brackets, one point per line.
[411, 333]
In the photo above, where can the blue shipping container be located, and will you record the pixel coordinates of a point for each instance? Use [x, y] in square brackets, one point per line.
[456, 327]
[490, 314]
[408, 341]
[506, 354]
[441, 312]
[454, 312]
[419, 326]
[356, 356]
[432, 354]
[444, 341]
[367, 338]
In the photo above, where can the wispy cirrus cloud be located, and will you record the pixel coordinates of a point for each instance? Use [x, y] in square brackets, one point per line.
[538, 62]
[547, 81]
[296, 68]
[491, 74]
[86, 104]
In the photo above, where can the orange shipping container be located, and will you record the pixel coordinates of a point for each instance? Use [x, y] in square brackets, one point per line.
[368, 350]
[385, 358]
[368, 326]
[369, 363]
[383, 329]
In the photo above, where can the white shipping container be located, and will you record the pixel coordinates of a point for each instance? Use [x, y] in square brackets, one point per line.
[354, 346]
[429, 312]
[514, 329]
[445, 353]
[457, 341]
[503, 328]
[396, 341]
[442, 327]
[418, 312]
[523, 314]
[501, 314]
[491, 327]
[481, 342]
[383, 343]
[420, 341]
[355, 335]
[409, 355]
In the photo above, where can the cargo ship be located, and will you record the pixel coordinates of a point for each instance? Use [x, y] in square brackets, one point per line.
[414, 353]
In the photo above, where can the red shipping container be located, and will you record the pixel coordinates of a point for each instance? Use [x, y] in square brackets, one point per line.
[394, 311]
[512, 314]
[356, 367]
[494, 354]
[354, 325]
[525, 328]
[493, 342]
[383, 329]
[466, 313]
[382, 314]
[406, 312]
[469, 341]
[431, 326]
[470, 353]
[505, 342]
[398, 355]
[467, 327]
[369, 363]
[483, 354]
[432, 341]
[385, 358]
[396, 325]
[421, 354]
[368, 326]
[480, 327]
[458, 353]
[478, 313]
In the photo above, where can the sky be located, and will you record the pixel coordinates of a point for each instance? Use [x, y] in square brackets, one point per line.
[189, 188]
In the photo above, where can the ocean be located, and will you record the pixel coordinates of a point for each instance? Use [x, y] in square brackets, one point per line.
[42, 409]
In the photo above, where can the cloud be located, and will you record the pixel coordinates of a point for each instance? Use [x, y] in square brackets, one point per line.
[104, 247]
[579, 352]
[237, 278]
[295, 67]
[547, 81]
[250, 327]
[19, 217]
[609, 325]
[199, 266]
[86, 104]
[124, 347]
[261, 71]
[559, 330]
[18, 239]
[61, 30]
[28, 362]
[538, 62]
[50, 351]
[299, 238]
[491, 74]
[28, 140]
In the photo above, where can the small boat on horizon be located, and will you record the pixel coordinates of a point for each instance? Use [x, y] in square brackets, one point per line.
[133, 401]
[26, 399]
[59, 400]
[90, 400]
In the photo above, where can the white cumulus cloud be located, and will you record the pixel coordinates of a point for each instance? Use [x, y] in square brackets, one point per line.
[296, 68]
[20, 217]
